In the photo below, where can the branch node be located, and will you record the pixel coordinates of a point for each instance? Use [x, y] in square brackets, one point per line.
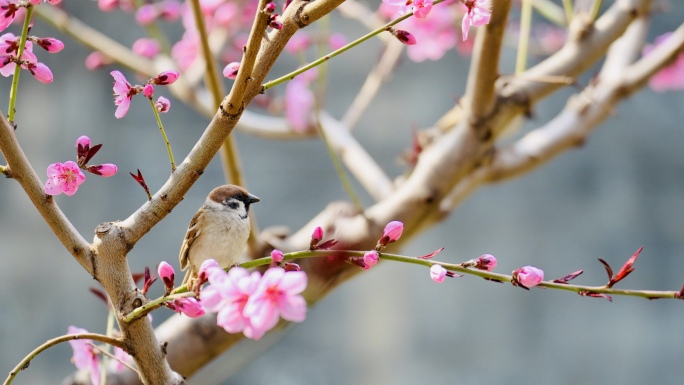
[103, 228]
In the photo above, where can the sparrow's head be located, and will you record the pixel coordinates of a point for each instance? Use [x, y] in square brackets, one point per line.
[232, 198]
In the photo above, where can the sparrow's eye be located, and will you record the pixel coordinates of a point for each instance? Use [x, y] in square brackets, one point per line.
[233, 205]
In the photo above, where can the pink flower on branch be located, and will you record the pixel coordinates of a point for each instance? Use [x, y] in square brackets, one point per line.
[64, 178]
[277, 295]
[479, 12]
[8, 11]
[123, 93]
[227, 295]
[420, 8]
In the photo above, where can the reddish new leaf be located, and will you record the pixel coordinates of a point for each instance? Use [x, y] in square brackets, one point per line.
[428, 256]
[626, 269]
[326, 245]
[568, 277]
[606, 266]
[141, 181]
[595, 295]
[92, 151]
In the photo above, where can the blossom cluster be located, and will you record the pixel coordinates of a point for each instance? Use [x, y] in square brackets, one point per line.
[67, 177]
[124, 91]
[10, 45]
[245, 302]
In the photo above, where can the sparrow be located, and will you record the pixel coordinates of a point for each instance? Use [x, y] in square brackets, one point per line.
[219, 230]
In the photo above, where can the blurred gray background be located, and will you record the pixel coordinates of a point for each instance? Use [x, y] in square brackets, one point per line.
[392, 325]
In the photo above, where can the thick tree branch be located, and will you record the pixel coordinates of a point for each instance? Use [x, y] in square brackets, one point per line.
[23, 173]
[484, 68]
[572, 126]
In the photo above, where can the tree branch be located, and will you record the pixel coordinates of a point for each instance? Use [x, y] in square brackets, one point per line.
[23, 173]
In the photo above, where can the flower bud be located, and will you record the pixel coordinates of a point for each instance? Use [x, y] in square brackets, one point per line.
[41, 72]
[528, 276]
[316, 237]
[189, 306]
[148, 90]
[166, 77]
[163, 104]
[269, 8]
[391, 234]
[50, 44]
[104, 170]
[370, 259]
[205, 269]
[485, 262]
[438, 273]
[404, 36]
[274, 23]
[167, 274]
[276, 256]
[82, 146]
[231, 70]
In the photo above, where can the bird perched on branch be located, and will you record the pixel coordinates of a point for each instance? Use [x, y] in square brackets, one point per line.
[219, 230]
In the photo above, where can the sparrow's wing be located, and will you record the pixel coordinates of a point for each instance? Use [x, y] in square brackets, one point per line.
[190, 237]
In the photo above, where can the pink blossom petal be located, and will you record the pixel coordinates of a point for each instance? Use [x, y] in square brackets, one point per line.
[124, 103]
[292, 308]
[211, 299]
[293, 282]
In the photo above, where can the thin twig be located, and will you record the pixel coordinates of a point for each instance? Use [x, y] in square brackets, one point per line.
[23, 364]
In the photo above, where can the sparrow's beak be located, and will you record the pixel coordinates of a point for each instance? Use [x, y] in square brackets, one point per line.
[252, 199]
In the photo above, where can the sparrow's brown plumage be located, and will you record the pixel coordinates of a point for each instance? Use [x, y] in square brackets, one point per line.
[219, 230]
